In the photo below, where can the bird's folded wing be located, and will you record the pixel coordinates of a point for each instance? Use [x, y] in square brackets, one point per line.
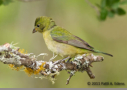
[63, 36]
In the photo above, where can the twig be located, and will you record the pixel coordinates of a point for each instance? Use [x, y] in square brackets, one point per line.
[16, 58]
[69, 79]
[93, 6]
[89, 72]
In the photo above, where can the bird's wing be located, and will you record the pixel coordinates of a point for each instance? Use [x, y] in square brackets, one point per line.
[63, 36]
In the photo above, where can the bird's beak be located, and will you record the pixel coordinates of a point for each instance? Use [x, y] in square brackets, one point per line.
[34, 30]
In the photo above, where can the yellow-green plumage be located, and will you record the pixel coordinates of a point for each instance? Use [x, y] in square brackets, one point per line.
[61, 49]
[60, 41]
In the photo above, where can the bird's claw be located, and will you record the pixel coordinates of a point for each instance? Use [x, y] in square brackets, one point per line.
[53, 57]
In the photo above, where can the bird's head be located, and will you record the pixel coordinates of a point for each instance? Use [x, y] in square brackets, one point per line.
[43, 24]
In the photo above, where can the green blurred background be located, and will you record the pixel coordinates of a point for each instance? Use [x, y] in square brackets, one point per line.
[17, 22]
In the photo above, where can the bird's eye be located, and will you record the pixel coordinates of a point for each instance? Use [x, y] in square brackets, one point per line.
[38, 25]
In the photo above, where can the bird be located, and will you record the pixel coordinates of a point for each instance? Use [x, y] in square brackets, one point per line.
[60, 41]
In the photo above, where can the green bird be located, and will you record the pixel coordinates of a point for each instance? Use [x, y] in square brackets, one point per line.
[60, 41]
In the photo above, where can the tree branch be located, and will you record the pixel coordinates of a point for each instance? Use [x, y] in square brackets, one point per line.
[69, 79]
[16, 58]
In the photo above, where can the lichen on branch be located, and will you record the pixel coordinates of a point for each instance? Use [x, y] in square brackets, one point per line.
[18, 58]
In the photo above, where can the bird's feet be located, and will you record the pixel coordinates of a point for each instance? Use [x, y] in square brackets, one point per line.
[54, 56]
[69, 59]
[66, 58]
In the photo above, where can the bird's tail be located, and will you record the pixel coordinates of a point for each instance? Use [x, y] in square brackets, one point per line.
[103, 53]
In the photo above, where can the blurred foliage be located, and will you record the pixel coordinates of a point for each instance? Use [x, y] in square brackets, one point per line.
[5, 2]
[110, 8]
[107, 7]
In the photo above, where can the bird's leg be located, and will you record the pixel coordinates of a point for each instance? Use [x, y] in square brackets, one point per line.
[59, 61]
[69, 59]
[54, 56]
[65, 58]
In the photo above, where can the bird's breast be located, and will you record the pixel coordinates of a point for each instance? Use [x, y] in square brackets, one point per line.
[51, 44]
